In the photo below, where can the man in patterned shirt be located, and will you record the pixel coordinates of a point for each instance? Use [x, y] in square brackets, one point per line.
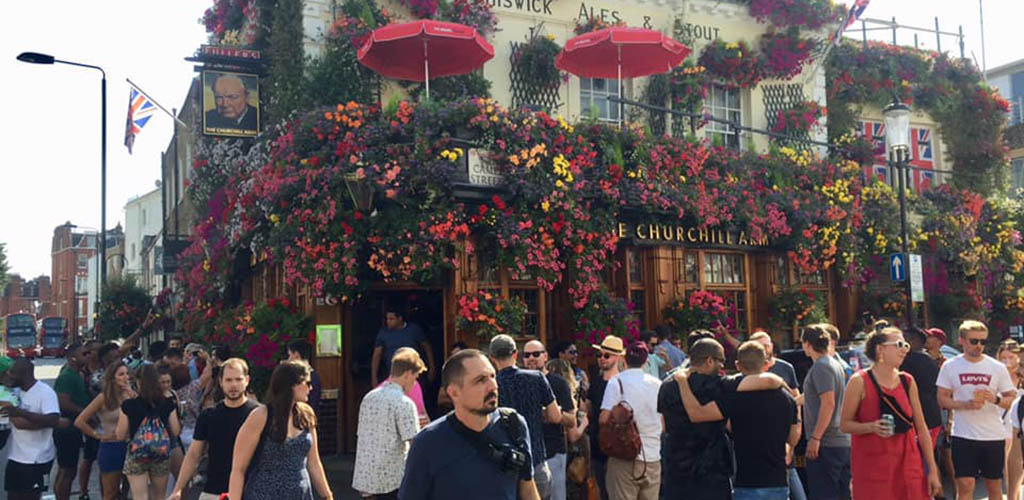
[387, 423]
[530, 394]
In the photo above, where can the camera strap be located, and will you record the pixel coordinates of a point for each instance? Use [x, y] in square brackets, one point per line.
[484, 443]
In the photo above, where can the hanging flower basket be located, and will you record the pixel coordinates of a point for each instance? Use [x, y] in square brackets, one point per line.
[535, 62]
[811, 14]
[732, 64]
[487, 314]
[784, 53]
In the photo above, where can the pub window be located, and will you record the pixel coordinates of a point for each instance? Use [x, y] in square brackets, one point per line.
[723, 103]
[594, 94]
[803, 278]
[531, 297]
[635, 267]
[639, 299]
[686, 267]
[738, 311]
[723, 269]
[1017, 171]
[780, 271]
[487, 272]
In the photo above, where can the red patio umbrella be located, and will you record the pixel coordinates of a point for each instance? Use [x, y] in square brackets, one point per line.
[421, 50]
[620, 51]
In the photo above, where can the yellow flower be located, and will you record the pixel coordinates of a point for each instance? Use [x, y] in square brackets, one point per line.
[276, 219]
[549, 36]
[545, 205]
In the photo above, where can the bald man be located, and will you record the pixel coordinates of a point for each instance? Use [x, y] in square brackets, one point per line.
[233, 110]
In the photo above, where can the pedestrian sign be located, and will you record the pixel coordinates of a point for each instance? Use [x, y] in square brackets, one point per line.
[897, 267]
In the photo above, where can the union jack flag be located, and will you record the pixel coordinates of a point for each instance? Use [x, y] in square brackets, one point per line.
[140, 110]
[924, 144]
[856, 10]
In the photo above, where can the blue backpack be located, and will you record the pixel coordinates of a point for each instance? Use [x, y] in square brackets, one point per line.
[151, 442]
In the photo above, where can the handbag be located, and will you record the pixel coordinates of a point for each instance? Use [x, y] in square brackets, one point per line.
[902, 422]
[577, 471]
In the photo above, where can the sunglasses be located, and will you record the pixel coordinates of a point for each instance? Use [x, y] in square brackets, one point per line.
[977, 341]
[535, 354]
[605, 355]
[900, 344]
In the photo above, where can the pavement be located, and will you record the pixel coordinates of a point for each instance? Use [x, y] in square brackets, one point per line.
[338, 467]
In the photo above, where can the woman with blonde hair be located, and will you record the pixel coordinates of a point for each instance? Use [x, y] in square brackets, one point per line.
[578, 450]
[116, 387]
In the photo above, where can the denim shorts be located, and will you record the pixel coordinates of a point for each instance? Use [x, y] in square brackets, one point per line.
[780, 493]
[111, 456]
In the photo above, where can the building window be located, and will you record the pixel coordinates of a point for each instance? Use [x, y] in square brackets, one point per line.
[594, 93]
[635, 274]
[83, 261]
[723, 103]
[723, 269]
[1017, 169]
[530, 297]
[686, 268]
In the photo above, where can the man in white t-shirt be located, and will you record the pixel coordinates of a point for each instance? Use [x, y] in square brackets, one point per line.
[32, 450]
[979, 389]
[640, 391]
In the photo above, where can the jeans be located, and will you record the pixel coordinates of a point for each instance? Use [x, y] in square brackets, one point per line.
[796, 487]
[557, 466]
[542, 477]
[779, 493]
[828, 477]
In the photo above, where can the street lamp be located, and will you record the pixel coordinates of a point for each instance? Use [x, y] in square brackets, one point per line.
[37, 58]
[897, 142]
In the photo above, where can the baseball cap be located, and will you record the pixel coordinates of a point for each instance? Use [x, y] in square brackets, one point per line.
[937, 333]
[637, 353]
[502, 346]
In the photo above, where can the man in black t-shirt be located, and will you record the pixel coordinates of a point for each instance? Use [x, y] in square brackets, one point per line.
[535, 356]
[697, 455]
[764, 428]
[925, 372]
[218, 427]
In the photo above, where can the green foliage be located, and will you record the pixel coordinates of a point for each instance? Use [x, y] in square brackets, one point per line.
[453, 88]
[535, 61]
[122, 310]
[4, 267]
[338, 77]
[286, 61]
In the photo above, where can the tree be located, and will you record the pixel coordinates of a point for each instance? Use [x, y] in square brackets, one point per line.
[4, 268]
[122, 310]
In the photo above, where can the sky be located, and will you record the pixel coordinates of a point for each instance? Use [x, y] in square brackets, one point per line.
[50, 132]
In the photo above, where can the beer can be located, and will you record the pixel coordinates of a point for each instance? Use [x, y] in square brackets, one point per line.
[889, 423]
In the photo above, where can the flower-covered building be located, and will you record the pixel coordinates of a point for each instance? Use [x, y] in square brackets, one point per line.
[515, 202]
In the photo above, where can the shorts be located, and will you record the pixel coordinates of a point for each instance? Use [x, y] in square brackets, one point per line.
[978, 458]
[27, 478]
[111, 456]
[157, 468]
[90, 449]
[69, 443]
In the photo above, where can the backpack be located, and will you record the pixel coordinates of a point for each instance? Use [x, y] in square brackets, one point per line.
[619, 437]
[151, 442]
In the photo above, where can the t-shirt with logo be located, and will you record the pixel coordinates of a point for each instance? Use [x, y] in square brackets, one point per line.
[963, 377]
[35, 446]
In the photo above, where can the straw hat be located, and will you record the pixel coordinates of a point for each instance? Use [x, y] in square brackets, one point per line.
[612, 344]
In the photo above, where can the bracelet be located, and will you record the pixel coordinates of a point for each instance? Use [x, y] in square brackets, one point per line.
[815, 438]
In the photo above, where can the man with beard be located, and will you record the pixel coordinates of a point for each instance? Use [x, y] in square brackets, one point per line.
[217, 428]
[611, 352]
[478, 450]
[535, 357]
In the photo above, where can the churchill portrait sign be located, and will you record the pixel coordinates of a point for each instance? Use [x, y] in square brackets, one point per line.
[231, 104]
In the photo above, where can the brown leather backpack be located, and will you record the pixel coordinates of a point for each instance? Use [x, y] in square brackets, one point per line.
[619, 436]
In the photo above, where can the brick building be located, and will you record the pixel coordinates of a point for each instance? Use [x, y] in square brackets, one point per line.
[32, 296]
[70, 253]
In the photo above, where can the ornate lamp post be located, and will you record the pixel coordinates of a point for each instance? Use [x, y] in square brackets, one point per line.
[897, 142]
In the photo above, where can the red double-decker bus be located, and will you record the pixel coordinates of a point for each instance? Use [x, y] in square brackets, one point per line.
[53, 336]
[18, 331]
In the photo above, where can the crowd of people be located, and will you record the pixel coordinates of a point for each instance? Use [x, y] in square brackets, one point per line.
[659, 421]
[178, 420]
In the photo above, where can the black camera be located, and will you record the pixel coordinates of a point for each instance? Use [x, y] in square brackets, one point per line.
[507, 456]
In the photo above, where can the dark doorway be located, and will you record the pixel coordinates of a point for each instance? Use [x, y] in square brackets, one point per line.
[424, 307]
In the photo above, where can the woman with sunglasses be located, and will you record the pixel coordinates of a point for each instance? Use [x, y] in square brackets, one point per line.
[882, 413]
[568, 351]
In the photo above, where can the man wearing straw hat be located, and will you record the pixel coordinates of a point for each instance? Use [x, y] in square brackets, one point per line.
[610, 354]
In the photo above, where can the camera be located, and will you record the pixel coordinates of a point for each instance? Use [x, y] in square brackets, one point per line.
[508, 457]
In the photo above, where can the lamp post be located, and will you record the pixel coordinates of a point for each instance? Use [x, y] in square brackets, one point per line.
[897, 141]
[37, 58]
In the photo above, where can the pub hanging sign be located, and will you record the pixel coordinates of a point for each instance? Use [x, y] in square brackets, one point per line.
[652, 233]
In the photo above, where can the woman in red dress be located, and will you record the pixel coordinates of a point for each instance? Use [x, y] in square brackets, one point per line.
[886, 461]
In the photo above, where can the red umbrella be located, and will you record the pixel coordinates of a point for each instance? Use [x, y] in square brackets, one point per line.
[420, 50]
[619, 51]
